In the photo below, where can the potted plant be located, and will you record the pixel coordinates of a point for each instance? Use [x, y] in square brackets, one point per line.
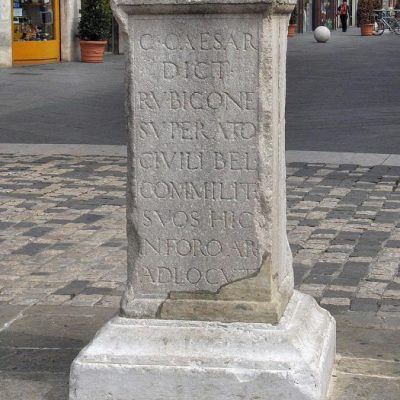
[397, 9]
[366, 15]
[292, 22]
[94, 29]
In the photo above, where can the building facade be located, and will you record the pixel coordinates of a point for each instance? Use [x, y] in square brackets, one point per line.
[314, 13]
[38, 31]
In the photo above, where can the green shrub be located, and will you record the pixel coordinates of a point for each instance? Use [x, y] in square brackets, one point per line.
[293, 16]
[366, 10]
[95, 23]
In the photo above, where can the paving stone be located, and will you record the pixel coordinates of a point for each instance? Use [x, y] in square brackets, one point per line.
[315, 290]
[318, 279]
[336, 301]
[348, 235]
[368, 289]
[9, 313]
[31, 249]
[335, 309]
[346, 281]
[121, 243]
[61, 246]
[324, 232]
[361, 221]
[385, 217]
[60, 221]
[390, 305]
[363, 341]
[44, 326]
[375, 235]
[345, 248]
[81, 212]
[310, 222]
[347, 386]
[89, 290]
[24, 225]
[324, 268]
[393, 286]
[112, 301]
[37, 232]
[393, 244]
[364, 304]
[54, 299]
[34, 386]
[361, 251]
[73, 288]
[88, 218]
[4, 225]
[337, 214]
[392, 294]
[84, 300]
[38, 360]
[354, 269]
[329, 293]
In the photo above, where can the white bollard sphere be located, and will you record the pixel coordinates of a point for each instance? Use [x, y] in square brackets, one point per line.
[322, 34]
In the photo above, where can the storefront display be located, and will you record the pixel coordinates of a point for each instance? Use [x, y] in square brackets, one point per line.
[33, 20]
[35, 31]
[41, 31]
[324, 13]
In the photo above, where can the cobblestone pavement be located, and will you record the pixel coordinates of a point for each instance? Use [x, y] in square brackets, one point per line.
[62, 265]
[63, 232]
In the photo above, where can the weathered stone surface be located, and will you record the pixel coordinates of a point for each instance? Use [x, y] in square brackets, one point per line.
[5, 34]
[206, 218]
[69, 14]
[206, 190]
[153, 359]
[195, 145]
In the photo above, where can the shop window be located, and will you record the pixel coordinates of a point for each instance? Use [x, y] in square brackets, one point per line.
[327, 13]
[34, 20]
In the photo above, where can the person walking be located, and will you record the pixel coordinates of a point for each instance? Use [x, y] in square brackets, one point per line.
[343, 11]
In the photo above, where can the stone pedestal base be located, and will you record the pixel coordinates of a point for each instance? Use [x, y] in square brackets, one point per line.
[131, 359]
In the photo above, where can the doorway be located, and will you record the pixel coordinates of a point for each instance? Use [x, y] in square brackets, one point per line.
[36, 31]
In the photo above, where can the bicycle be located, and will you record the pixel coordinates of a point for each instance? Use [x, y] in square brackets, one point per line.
[383, 20]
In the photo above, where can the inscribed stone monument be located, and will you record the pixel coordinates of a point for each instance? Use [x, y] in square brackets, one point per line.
[200, 199]
[209, 310]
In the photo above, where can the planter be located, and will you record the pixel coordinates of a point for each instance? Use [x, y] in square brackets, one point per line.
[367, 29]
[92, 51]
[291, 30]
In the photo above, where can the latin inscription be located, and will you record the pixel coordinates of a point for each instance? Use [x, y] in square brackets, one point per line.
[196, 129]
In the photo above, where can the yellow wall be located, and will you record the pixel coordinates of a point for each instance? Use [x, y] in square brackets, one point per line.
[32, 52]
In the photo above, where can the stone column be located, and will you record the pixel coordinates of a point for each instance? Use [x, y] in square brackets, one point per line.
[5, 33]
[69, 19]
[209, 311]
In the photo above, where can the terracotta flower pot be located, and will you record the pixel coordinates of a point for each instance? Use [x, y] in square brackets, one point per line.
[291, 30]
[366, 29]
[92, 51]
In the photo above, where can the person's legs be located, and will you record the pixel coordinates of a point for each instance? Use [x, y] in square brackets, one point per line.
[343, 23]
